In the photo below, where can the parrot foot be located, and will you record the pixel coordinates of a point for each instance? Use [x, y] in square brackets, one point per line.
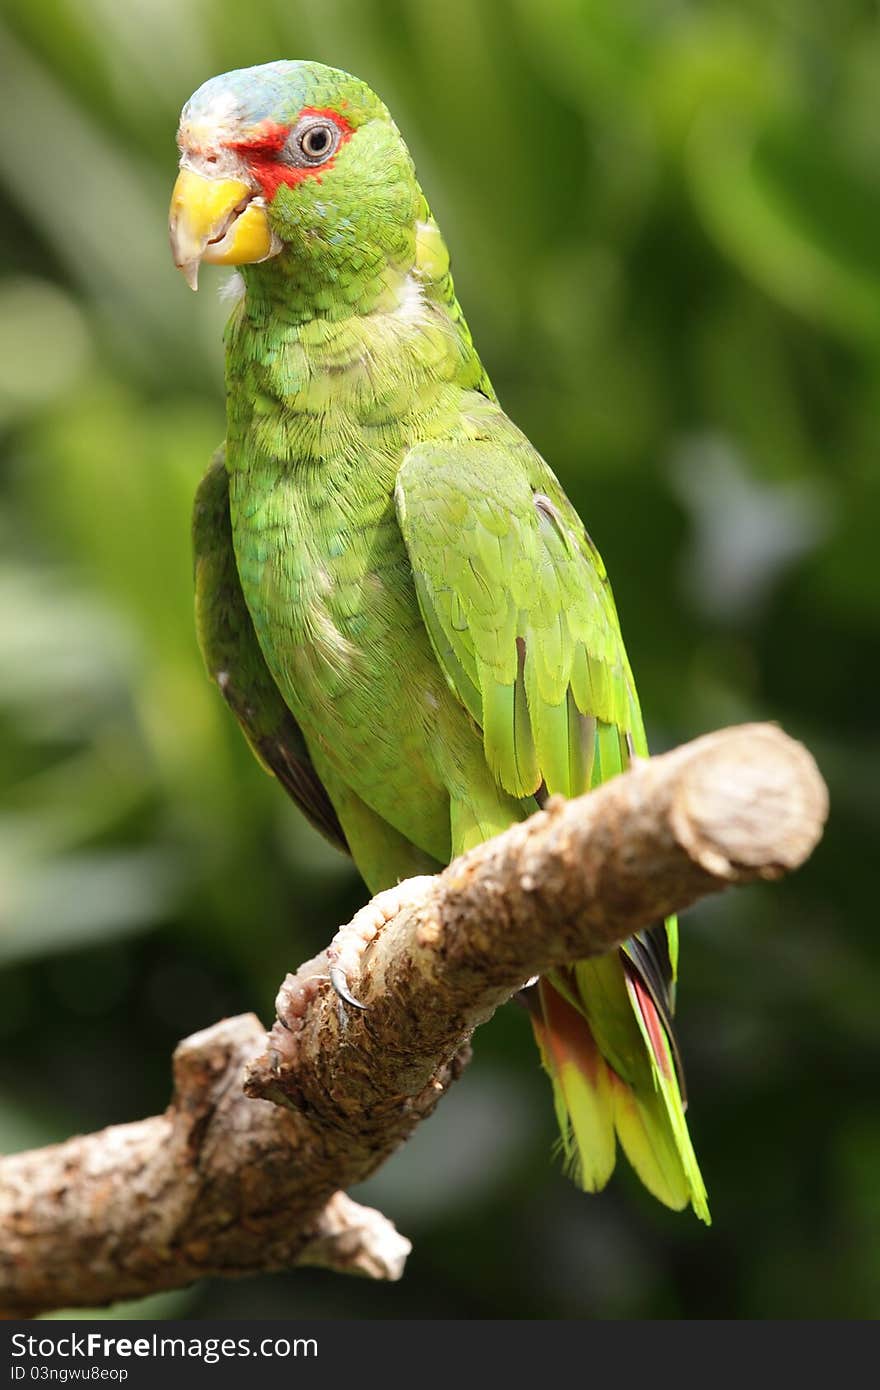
[348, 947]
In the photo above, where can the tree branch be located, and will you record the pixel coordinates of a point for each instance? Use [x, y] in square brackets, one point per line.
[209, 1188]
[224, 1185]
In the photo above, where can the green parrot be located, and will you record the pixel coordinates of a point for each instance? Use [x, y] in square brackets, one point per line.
[393, 592]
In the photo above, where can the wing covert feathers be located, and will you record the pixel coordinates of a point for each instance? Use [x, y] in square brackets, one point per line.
[517, 605]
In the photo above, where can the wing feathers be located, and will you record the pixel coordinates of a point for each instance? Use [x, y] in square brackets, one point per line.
[516, 601]
[516, 604]
[234, 661]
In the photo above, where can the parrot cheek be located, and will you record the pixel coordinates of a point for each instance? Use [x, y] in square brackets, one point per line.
[219, 221]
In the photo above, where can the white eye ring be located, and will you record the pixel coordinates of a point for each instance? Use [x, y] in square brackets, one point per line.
[314, 141]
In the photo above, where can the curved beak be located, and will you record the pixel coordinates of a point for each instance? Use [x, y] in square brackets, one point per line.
[219, 221]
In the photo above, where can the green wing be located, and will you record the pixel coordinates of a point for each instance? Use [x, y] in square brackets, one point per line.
[518, 607]
[234, 661]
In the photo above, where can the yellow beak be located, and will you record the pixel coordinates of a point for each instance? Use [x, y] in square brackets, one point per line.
[218, 221]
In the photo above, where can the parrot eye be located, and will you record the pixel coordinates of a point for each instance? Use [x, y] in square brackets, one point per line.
[313, 141]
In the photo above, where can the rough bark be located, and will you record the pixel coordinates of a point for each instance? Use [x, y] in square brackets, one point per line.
[227, 1184]
[210, 1187]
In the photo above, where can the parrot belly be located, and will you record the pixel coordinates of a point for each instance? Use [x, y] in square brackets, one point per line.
[337, 618]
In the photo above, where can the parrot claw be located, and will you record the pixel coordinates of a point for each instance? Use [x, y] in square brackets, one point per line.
[527, 996]
[346, 951]
[340, 983]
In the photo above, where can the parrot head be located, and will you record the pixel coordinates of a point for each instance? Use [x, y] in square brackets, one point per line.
[292, 160]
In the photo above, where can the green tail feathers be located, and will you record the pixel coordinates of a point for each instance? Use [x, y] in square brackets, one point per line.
[606, 1051]
[582, 1089]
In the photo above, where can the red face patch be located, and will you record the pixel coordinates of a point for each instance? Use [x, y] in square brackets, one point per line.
[263, 149]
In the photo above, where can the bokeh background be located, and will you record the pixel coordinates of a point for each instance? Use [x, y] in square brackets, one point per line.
[665, 219]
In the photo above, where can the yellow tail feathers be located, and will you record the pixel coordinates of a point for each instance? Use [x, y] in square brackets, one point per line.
[595, 1105]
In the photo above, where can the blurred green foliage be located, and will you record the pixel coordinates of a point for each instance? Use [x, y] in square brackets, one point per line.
[665, 217]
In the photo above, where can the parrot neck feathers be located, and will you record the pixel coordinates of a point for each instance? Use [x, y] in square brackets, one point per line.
[232, 289]
[411, 306]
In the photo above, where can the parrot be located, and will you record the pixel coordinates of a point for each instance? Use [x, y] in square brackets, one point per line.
[393, 592]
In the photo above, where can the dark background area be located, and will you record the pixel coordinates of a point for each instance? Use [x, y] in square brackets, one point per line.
[665, 224]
